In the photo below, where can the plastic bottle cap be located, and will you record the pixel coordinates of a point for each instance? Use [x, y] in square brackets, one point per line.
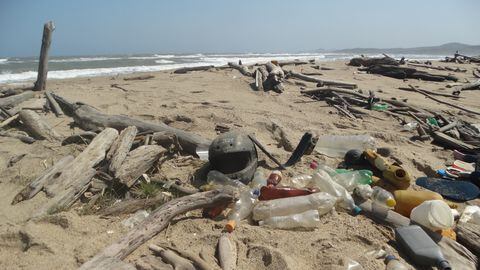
[230, 226]
[388, 258]
[357, 210]
[391, 202]
[314, 165]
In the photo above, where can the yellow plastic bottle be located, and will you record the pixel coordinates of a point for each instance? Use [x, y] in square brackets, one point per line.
[406, 200]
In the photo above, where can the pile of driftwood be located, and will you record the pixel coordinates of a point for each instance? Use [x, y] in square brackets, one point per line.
[462, 59]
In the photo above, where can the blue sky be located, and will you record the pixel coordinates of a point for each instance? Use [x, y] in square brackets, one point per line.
[90, 27]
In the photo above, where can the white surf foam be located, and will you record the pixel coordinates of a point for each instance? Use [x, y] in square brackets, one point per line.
[83, 59]
[3, 60]
[163, 61]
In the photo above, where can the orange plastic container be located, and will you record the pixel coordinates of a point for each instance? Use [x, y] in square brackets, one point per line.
[409, 199]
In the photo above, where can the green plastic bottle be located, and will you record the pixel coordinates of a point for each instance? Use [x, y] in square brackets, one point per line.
[351, 179]
[379, 107]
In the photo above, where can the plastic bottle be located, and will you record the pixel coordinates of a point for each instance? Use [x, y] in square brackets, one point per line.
[410, 126]
[338, 146]
[301, 181]
[321, 201]
[272, 192]
[379, 107]
[409, 199]
[259, 180]
[324, 182]
[242, 209]
[217, 179]
[435, 215]
[351, 179]
[420, 247]
[363, 191]
[394, 264]
[383, 197]
[274, 178]
[305, 220]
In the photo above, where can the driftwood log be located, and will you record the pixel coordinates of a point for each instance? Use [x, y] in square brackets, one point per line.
[37, 127]
[398, 72]
[322, 82]
[119, 150]
[468, 234]
[457, 69]
[429, 92]
[16, 99]
[243, 69]
[470, 86]
[8, 121]
[258, 80]
[41, 82]
[450, 142]
[38, 183]
[138, 78]
[227, 253]
[372, 61]
[293, 62]
[138, 162]
[21, 136]
[171, 257]
[156, 222]
[188, 69]
[152, 262]
[53, 104]
[89, 118]
[131, 206]
[177, 185]
[84, 137]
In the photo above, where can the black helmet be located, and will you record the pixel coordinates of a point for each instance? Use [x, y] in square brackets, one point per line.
[235, 155]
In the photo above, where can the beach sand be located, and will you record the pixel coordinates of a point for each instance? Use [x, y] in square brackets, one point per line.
[196, 102]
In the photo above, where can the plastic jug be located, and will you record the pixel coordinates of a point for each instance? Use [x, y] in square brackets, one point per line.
[394, 174]
[272, 192]
[409, 199]
[383, 197]
[305, 220]
[393, 263]
[242, 209]
[338, 145]
[321, 201]
[435, 215]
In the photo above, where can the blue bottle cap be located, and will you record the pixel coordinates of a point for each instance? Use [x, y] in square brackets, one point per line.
[356, 210]
[389, 258]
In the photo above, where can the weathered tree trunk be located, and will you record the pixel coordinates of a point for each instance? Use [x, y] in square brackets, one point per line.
[137, 78]
[404, 73]
[121, 147]
[449, 142]
[38, 183]
[227, 253]
[468, 234]
[156, 222]
[322, 82]
[16, 99]
[151, 262]
[243, 69]
[372, 61]
[258, 80]
[138, 162]
[53, 104]
[89, 118]
[172, 258]
[131, 206]
[41, 82]
[188, 69]
[37, 127]
[292, 62]
[470, 86]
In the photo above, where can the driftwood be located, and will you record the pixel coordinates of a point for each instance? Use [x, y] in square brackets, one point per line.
[443, 102]
[333, 89]
[274, 79]
[448, 141]
[8, 121]
[243, 69]
[138, 162]
[279, 135]
[84, 137]
[429, 92]
[89, 118]
[14, 87]
[177, 185]
[470, 86]
[405, 72]
[227, 253]
[438, 67]
[468, 234]
[171, 257]
[121, 147]
[43, 62]
[258, 80]
[37, 127]
[131, 206]
[22, 137]
[156, 222]
[292, 62]
[188, 69]
[16, 99]
[53, 104]
[372, 61]
[37, 184]
[476, 73]
[198, 263]
[322, 82]
[151, 262]
[141, 77]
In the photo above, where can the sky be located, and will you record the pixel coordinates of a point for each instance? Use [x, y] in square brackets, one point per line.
[91, 27]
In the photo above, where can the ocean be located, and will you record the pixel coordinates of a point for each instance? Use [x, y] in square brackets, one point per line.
[16, 70]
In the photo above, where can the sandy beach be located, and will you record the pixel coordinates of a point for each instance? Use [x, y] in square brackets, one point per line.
[197, 102]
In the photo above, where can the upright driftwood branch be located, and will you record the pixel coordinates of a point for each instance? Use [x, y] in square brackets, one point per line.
[155, 223]
[43, 62]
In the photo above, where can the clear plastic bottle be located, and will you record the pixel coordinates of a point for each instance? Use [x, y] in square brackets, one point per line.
[259, 180]
[321, 201]
[393, 263]
[350, 180]
[217, 179]
[242, 209]
[305, 220]
[338, 146]
[325, 183]
[363, 191]
[383, 197]
[301, 181]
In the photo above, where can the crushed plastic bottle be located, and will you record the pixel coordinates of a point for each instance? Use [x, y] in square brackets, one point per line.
[383, 197]
[324, 182]
[338, 146]
[135, 219]
[301, 181]
[305, 220]
[321, 201]
[393, 263]
[242, 209]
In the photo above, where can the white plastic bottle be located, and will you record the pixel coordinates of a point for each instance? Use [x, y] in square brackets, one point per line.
[338, 145]
[393, 263]
[305, 220]
[259, 180]
[242, 208]
[383, 197]
[324, 182]
[321, 201]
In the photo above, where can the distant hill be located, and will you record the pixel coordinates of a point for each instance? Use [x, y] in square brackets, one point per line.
[446, 49]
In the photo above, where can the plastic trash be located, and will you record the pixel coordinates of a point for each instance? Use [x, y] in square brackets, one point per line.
[301, 181]
[242, 209]
[274, 178]
[383, 197]
[135, 219]
[409, 199]
[394, 264]
[379, 107]
[353, 265]
[305, 220]
[394, 174]
[351, 179]
[259, 180]
[410, 126]
[321, 201]
[338, 146]
[471, 214]
[420, 247]
[363, 191]
[324, 182]
[272, 192]
[434, 214]
[216, 179]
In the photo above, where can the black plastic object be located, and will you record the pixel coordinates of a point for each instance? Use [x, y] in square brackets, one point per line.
[306, 145]
[353, 157]
[420, 247]
[450, 189]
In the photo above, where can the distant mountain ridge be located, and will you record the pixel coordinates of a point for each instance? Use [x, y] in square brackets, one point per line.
[446, 49]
